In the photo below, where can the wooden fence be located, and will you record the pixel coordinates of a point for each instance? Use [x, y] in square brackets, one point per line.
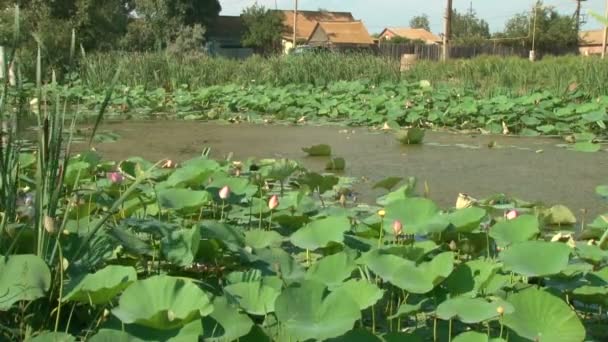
[434, 52]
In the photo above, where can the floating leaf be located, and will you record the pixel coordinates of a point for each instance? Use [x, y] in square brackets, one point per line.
[336, 164]
[416, 214]
[471, 278]
[259, 238]
[387, 183]
[586, 146]
[183, 199]
[233, 323]
[321, 150]
[412, 136]
[560, 215]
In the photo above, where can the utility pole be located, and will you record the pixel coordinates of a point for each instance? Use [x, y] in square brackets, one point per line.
[533, 51]
[295, 23]
[605, 34]
[577, 15]
[447, 31]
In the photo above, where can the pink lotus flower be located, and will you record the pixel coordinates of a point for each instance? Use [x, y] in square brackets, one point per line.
[273, 202]
[116, 177]
[511, 214]
[225, 192]
[397, 228]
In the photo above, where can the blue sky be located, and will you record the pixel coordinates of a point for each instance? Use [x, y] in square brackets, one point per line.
[378, 14]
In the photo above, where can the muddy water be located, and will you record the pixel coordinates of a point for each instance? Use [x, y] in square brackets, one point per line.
[449, 163]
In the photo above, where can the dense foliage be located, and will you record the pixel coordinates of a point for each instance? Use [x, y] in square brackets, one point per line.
[264, 29]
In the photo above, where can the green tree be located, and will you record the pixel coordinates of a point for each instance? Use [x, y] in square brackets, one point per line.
[403, 40]
[554, 32]
[468, 29]
[264, 29]
[421, 21]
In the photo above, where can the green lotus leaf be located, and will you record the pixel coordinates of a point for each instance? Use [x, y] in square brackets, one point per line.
[193, 173]
[513, 231]
[418, 215]
[332, 269]
[225, 323]
[321, 232]
[23, 278]
[467, 220]
[49, 336]
[110, 335]
[471, 310]
[363, 292]
[321, 150]
[183, 199]
[162, 302]
[560, 215]
[255, 297]
[474, 336]
[259, 238]
[541, 316]
[357, 335]
[471, 278]
[306, 312]
[536, 258]
[102, 286]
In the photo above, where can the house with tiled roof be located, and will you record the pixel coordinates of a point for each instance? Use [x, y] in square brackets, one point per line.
[418, 34]
[590, 42]
[340, 35]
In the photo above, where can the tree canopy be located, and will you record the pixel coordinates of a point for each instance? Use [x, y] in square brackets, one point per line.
[468, 29]
[421, 21]
[264, 28]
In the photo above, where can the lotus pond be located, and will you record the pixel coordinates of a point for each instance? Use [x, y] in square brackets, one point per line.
[268, 250]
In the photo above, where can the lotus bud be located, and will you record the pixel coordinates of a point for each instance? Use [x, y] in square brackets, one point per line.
[500, 310]
[381, 212]
[464, 201]
[106, 313]
[453, 246]
[342, 200]
[49, 224]
[116, 177]
[225, 192]
[273, 202]
[511, 214]
[170, 315]
[168, 164]
[397, 228]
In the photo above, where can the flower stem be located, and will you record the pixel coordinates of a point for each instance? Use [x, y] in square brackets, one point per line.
[222, 213]
[381, 233]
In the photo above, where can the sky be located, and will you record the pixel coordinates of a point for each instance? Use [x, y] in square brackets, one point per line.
[378, 14]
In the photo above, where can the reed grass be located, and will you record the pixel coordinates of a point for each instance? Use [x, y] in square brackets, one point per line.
[489, 76]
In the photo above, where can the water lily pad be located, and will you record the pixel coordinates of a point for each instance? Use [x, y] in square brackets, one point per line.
[513, 231]
[180, 246]
[540, 316]
[602, 191]
[255, 297]
[321, 232]
[412, 136]
[162, 302]
[102, 286]
[24, 277]
[321, 150]
[307, 313]
[406, 309]
[387, 183]
[332, 270]
[363, 292]
[474, 336]
[357, 335]
[193, 173]
[536, 258]
[336, 164]
[586, 146]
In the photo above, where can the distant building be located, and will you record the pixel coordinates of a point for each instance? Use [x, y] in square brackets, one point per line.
[590, 42]
[340, 35]
[306, 23]
[410, 33]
